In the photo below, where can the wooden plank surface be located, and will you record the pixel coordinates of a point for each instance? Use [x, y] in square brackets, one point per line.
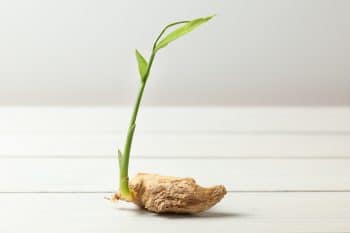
[86, 175]
[189, 132]
[238, 212]
[287, 169]
[188, 119]
[181, 144]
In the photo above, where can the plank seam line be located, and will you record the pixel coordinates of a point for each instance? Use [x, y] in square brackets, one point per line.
[230, 191]
[187, 132]
[168, 157]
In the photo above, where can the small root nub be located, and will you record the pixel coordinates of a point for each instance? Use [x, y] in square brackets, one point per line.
[114, 198]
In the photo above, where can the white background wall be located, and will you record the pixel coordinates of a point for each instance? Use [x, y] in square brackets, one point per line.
[80, 52]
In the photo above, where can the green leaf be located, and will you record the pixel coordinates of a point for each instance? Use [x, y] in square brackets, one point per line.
[142, 63]
[183, 30]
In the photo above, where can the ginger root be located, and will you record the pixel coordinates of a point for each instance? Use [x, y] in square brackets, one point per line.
[166, 194]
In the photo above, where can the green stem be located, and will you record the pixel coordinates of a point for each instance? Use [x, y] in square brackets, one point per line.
[124, 161]
[125, 192]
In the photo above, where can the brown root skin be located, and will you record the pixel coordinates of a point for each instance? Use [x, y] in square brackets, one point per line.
[166, 194]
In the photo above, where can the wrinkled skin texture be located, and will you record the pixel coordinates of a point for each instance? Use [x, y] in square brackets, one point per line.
[165, 194]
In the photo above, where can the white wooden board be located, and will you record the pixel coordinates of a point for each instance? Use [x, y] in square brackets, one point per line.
[86, 175]
[175, 145]
[189, 119]
[287, 169]
[238, 212]
[189, 132]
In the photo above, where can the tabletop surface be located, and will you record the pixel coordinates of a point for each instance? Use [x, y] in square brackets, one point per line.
[285, 169]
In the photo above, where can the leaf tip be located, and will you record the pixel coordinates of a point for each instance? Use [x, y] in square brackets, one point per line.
[209, 17]
[142, 64]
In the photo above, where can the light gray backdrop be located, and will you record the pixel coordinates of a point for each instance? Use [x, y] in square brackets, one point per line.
[81, 52]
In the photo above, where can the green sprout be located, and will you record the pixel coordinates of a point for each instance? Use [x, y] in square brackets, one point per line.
[144, 67]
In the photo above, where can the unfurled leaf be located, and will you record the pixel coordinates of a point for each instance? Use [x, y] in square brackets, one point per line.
[183, 30]
[142, 63]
